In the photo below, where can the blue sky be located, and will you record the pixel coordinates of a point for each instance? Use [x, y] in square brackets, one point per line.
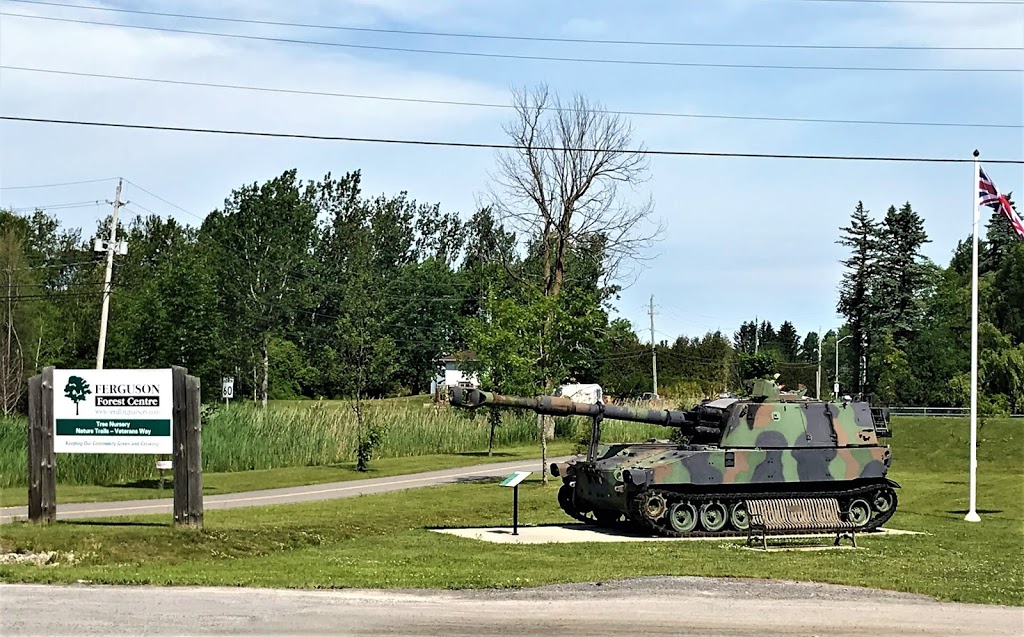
[743, 237]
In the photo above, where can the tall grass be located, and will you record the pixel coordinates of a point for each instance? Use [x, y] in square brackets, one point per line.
[295, 434]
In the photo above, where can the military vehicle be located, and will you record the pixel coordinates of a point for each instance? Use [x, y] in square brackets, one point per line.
[770, 444]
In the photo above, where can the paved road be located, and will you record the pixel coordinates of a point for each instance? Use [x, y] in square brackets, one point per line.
[654, 606]
[287, 495]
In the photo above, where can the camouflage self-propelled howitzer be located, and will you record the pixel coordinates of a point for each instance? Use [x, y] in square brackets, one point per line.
[772, 444]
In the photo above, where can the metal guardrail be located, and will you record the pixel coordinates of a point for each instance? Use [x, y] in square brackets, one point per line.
[936, 411]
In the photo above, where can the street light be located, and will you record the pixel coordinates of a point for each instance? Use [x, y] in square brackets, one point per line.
[836, 387]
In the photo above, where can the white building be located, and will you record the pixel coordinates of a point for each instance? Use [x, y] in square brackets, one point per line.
[451, 376]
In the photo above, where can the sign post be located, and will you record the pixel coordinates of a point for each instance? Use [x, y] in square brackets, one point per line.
[227, 389]
[513, 481]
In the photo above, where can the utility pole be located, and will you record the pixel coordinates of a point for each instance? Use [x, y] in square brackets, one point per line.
[756, 330]
[835, 385]
[817, 393]
[654, 352]
[110, 247]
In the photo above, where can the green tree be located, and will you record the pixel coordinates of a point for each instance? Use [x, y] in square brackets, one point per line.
[900, 274]
[788, 342]
[263, 244]
[743, 339]
[857, 287]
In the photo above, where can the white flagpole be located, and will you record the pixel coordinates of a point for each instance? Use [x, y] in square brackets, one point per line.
[972, 513]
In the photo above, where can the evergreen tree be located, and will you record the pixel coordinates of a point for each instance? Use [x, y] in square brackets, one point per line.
[743, 338]
[901, 273]
[767, 339]
[999, 239]
[788, 342]
[855, 292]
[809, 348]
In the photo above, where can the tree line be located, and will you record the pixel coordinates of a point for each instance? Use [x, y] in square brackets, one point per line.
[908, 319]
[309, 289]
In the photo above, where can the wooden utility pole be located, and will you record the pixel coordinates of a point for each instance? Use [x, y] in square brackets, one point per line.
[817, 392]
[654, 353]
[111, 246]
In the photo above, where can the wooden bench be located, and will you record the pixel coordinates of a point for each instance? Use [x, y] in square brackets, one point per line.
[797, 515]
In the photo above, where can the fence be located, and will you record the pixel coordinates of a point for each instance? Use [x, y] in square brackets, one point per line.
[936, 411]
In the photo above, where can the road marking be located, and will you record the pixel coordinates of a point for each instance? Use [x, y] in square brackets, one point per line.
[271, 496]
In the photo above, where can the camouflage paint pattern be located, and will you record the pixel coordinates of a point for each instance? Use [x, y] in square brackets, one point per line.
[762, 443]
[771, 438]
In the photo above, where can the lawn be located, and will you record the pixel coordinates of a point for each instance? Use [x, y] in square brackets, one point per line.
[238, 481]
[384, 540]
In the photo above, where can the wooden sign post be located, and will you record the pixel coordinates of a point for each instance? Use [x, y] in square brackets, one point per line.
[42, 484]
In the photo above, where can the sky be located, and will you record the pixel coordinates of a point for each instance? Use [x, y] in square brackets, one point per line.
[742, 237]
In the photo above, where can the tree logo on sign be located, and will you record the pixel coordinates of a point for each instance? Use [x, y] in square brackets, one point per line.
[76, 389]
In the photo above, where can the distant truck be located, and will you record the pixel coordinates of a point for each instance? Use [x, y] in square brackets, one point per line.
[590, 393]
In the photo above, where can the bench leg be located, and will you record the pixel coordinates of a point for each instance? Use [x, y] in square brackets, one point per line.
[851, 535]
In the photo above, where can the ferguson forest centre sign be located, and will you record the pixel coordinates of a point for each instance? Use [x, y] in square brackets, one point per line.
[112, 411]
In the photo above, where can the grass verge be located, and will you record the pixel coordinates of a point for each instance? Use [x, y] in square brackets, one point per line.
[384, 541]
[238, 481]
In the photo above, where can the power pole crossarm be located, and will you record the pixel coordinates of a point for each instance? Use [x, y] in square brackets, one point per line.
[110, 248]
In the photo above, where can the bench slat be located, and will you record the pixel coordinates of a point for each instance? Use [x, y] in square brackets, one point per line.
[772, 515]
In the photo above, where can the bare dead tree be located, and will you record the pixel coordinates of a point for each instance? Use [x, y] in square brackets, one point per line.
[564, 181]
[563, 184]
[12, 359]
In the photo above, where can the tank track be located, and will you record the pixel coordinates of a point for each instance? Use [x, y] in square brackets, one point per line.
[661, 526]
[636, 519]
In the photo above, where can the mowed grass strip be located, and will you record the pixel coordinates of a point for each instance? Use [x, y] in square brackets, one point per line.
[306, 434]
[239, 481]
[385, 541]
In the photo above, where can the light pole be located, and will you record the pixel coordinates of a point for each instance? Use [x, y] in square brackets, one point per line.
[836, 379]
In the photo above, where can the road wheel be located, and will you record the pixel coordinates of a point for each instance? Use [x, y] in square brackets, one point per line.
[739, 517]
[713, 516]
[682, 517]
[859, 512]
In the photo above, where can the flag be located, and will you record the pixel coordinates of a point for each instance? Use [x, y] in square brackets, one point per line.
[988, 195]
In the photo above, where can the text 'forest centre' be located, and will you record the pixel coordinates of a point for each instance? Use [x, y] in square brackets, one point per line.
[127, 401]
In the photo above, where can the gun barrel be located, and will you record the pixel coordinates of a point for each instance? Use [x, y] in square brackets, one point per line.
[561, 406]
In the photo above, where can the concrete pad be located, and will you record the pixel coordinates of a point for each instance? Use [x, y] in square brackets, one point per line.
[572, 533]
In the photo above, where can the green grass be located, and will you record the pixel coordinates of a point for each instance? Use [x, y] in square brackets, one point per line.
[306, 434]
[238, 481]
[383, 540]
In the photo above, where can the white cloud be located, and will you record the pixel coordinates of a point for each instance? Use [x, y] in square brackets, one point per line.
[42, 152]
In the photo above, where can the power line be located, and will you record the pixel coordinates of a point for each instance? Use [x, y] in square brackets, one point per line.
[515, 38]
[57, 206]
[267, 89]
[65, 183]
[510, 56]
[1010, 3]
[159, 198]
[450, 144]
